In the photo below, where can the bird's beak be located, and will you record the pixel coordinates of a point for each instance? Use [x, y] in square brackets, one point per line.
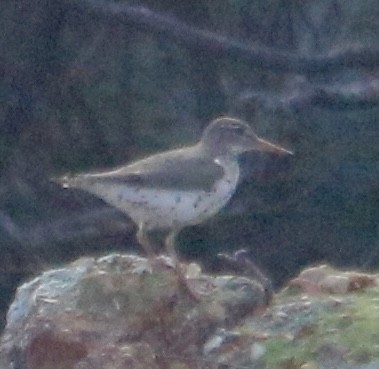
[263, 145]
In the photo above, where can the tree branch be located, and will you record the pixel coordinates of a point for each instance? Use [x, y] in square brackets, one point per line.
[301, 94]
[221, 46]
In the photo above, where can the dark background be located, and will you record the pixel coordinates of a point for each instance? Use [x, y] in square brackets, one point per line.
[91, 84]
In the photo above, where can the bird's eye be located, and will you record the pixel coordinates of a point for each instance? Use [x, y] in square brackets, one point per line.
[239, 130]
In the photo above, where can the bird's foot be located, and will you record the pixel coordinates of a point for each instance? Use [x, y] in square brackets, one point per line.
[143, 266]
[188, 276]
[147, 265]
[191, 282]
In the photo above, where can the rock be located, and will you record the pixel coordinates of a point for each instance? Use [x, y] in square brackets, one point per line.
[100, 313]
[325, 279]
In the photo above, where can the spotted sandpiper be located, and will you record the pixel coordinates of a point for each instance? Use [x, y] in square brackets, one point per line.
[177, 188]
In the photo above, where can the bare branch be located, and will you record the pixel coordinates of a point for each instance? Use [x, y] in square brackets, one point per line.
[221, 46]
[300, 94]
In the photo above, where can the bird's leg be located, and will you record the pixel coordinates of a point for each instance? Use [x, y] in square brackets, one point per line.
[144, 241]
[170, 249]
[170, 246]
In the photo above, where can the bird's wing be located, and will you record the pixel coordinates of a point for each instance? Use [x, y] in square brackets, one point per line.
[179, 169]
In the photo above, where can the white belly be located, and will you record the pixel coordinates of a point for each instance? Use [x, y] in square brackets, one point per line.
[160, 208]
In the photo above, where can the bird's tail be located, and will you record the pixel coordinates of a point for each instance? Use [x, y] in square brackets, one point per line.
[66, 181]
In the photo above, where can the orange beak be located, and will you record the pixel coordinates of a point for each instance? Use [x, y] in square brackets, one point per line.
[264, 145]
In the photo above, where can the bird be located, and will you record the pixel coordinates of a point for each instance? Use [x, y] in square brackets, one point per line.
[177, 188]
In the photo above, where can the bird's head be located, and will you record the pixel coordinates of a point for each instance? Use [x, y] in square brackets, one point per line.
[230, 136]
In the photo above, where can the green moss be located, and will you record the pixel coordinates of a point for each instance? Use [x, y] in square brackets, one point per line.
[283, 352]
[354, 325]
